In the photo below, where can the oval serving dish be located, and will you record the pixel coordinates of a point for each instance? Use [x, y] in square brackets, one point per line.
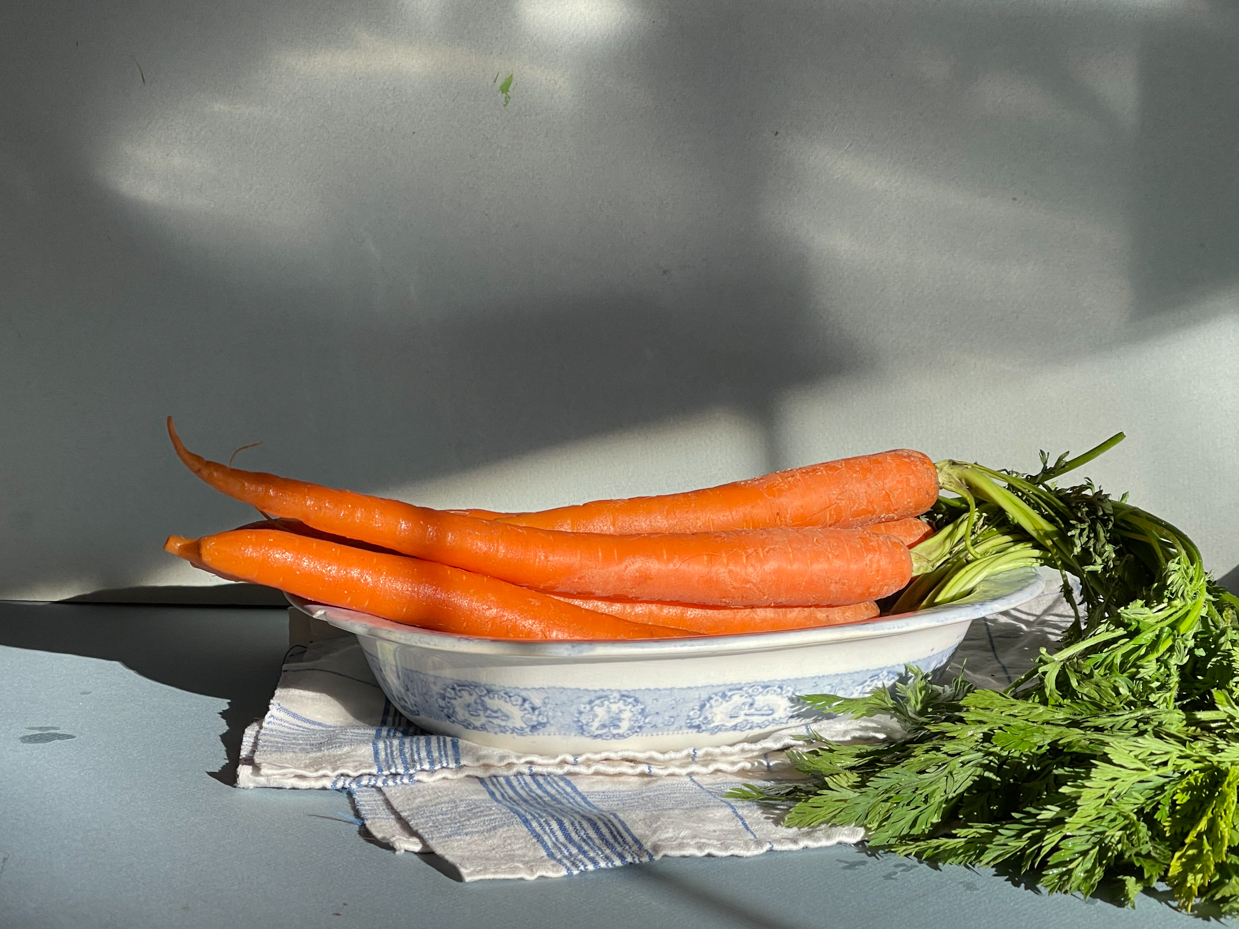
[652, 694]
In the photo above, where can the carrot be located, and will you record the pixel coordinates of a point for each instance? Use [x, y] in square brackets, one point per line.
[706, 620]
[297, 527]
[404, 590]
[909, 531]
[760, 567]
[848, 493]
[715, 620]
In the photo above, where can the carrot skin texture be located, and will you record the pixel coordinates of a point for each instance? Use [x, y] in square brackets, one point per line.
[909, 531]
[846, 493]
[706, 620]
[766, 567]
[402, 589]
[297, 527]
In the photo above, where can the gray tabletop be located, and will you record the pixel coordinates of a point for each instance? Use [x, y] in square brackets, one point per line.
[118, 745]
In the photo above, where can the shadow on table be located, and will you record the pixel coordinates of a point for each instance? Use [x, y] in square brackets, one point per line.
[1109, 892]
[726, 912]
[237, 594]
[232, 654]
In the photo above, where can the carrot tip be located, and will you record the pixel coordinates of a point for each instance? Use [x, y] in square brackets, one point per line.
[194, 462]
[182, 547]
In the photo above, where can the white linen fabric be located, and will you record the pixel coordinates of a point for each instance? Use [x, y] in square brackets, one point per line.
[493, 813]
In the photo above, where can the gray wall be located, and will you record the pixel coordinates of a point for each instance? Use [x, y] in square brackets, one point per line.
[699, 242]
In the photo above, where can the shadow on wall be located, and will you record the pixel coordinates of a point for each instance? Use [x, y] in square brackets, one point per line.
[349, 377]
[1230, 580]
[1186, 199]
[519, 381]
[475, 282]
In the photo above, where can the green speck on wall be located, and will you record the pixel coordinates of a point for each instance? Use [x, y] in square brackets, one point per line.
[506, 89]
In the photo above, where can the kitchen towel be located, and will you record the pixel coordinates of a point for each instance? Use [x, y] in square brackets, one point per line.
[493, 813]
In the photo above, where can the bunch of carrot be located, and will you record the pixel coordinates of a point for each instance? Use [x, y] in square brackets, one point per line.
[807, 547]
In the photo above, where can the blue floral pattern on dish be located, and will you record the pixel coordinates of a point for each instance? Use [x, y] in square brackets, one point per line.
[611, 716]
[486, 709]
[884, 678]
[753, 706]
[733, 707]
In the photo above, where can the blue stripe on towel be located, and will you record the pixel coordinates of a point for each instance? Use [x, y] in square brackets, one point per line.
[566, 832]
[567, 825]
[545, 823]
[580, 823]
[408, 749]
[493, 788]
[450, 748]
[623, 840]
[279, 708]
[734, 811]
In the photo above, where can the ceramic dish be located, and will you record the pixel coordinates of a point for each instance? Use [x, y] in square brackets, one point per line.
[652, 694]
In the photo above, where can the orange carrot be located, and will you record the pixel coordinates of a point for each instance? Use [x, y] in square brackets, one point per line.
[297, 527]
[760, 567]
[404, 590]
[909, 531]
[717, 620]
[706, 620]
[848, 493]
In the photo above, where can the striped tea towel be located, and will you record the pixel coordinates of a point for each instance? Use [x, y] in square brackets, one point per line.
[500, 814]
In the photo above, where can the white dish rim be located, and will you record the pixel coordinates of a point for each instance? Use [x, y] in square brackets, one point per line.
[1000, 592]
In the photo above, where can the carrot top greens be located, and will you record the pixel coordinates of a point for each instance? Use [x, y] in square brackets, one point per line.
[1115, 759]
